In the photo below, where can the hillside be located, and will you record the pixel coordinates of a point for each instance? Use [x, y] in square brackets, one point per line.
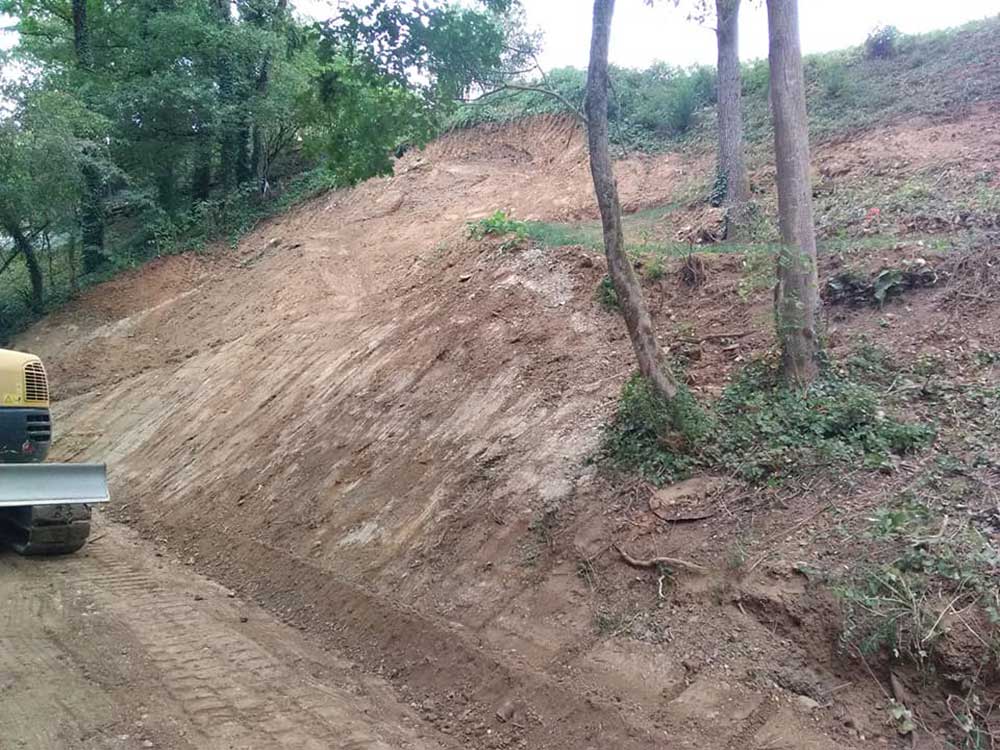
[937, 75]
[383, 430]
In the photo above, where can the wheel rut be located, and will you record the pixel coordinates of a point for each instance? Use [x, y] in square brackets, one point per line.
[115, 649]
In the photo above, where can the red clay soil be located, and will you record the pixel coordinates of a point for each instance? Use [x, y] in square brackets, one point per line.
[380, 429]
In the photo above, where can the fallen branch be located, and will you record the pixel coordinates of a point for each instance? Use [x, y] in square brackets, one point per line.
[572, 108]
[713, 336]
[673, 562]
[690, 518]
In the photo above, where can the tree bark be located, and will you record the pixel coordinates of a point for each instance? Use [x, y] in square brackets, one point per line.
[259, 163]
[81, 42]
[92, 201]
[637, 319]
[796, 295]
[228, 130]
[24, 246]
[730, 110]
[201, 175]
[92, 219]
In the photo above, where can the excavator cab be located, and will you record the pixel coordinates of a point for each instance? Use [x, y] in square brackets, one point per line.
[44, 508]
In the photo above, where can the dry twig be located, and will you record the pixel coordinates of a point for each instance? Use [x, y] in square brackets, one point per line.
[672, 562]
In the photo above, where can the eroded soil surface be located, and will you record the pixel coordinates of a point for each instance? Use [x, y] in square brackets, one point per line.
[117, 648]
[380, 429]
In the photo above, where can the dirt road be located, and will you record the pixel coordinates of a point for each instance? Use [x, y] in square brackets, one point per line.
[119, 648]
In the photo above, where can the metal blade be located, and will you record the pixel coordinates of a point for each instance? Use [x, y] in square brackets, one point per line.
[52, 484]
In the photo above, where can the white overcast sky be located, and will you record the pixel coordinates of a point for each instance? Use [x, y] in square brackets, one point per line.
[642, 35]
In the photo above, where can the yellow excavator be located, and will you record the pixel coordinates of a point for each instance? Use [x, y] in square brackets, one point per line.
[45, 508]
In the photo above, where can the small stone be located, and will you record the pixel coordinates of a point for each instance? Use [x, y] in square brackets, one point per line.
[807, 703]
[198, 597]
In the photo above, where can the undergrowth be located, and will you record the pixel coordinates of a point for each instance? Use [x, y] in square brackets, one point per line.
[151, 233]
[759, 430]
[497, 224]
[891, 76]
[902, 604]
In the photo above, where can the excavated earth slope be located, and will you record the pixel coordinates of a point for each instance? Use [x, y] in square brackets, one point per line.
[366, 420]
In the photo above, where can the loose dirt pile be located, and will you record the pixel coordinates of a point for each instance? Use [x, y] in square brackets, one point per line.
[381, 429]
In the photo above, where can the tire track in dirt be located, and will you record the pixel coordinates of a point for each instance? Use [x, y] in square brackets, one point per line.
[433, 660]
[230, 689]
[36, 674]
[195, 666]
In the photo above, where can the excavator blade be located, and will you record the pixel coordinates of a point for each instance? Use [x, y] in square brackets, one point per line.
[52, 484]
[45, 508]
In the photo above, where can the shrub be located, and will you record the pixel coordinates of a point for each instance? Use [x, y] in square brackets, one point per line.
[770, 430]
[756, 78]
[653, 437]
[496, 225]
[664, 100]
[759, 430]
[882, 42]
[895, 604]
[606, 295]
[835, 80]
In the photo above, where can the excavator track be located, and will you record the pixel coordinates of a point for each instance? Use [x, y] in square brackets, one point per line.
[45, 529]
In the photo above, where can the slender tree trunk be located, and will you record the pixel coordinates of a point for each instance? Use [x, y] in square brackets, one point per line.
[166, 187]
[637, 319]
[81, 41]
[71, 262]
[732, 167]
[243, 138]
[92, 219]
[796, 296]
[228, 127]
[92, 201]
[201, 177]
[24, 246]
[259, 163]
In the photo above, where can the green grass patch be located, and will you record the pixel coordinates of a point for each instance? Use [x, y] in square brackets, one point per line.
[759, 430]
[497, 224]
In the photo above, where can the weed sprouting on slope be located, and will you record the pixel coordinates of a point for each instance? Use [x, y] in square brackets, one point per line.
[759, 430]
[901, 603]
[497, 224]
[652, 437]
[771, 431]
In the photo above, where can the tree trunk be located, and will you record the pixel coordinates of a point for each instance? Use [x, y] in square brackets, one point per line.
[259, 163]
[24, 246]
[243, 137]
[92, 201]
[81, 42]
[201, 177]
[731, 163]
[796, 296]
[228, 127]
[637, 319]
[74, 285]
[92, 219]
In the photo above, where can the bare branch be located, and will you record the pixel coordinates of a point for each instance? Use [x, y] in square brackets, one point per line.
[533, 89]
